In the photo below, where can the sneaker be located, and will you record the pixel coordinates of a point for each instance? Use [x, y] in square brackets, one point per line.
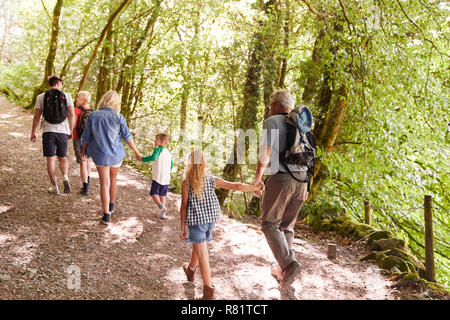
[291, 272]
[85, 189]
[67, 188]
[106, 218]
[54, 190]
[112, 207]
[163, 213]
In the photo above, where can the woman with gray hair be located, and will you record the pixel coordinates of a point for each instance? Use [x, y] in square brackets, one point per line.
[102, 140]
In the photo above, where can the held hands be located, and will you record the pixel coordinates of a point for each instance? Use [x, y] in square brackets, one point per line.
[138, 156]
[259, 187]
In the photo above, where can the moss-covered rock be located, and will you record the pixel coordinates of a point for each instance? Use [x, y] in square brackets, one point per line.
[360, 230]
[377, 235]
[388, 244]
[391, 262]
[403, 254]
[326, 226]
[344, 226]
[374, 256]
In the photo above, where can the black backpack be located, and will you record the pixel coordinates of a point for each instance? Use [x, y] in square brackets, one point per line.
[82, 121]
[300, 143]
[55, 106]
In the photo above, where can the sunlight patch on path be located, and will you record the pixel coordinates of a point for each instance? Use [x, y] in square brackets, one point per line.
[125, 230]
[17, 134]
[4, 208]
[127, 181]
[252, 283]
[4, 238]
[23, 254]
[6, 116]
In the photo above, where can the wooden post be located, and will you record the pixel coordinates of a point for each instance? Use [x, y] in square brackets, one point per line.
[430, 274]
[331, 251]
[367, 212]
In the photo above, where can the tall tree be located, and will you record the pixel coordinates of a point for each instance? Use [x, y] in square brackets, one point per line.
[50, 61]
[128, 70]
[246, 116]
[100, 40]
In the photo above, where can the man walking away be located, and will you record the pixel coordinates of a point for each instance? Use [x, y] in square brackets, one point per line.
[284, 194]
[55, 107]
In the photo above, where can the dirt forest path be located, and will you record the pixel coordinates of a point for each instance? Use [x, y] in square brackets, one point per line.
[46, 239]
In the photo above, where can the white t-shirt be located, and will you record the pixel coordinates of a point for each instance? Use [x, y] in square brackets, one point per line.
[161, 167]
[62, 127]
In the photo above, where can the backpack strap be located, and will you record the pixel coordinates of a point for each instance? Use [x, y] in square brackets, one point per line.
[308, 179]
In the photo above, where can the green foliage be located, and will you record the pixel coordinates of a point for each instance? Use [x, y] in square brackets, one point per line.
[390, 56]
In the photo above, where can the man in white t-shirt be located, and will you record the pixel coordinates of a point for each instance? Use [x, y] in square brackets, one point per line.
[55, 133]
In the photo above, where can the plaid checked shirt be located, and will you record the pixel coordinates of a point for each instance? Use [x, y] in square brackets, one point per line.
[204, 210]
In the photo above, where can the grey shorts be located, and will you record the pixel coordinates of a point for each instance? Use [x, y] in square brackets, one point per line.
[77, 149]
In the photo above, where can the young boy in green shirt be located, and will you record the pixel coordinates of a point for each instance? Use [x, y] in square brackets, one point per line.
[161, 167]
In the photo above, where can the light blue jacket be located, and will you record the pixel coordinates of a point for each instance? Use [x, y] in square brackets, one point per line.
[103, 132]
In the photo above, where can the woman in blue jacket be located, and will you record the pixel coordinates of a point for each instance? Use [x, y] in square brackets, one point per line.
[102, 141]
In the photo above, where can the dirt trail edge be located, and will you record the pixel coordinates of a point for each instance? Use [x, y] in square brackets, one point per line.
[53, 247]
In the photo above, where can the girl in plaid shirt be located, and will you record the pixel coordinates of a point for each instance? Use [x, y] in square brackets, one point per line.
[200, 210]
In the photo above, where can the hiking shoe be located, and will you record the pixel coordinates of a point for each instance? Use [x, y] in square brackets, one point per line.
[163, 213]
[85, 189]
[291, 272]
[54, 190]
[189, 272]
[112, 207]
[67, 188]
[106, 218]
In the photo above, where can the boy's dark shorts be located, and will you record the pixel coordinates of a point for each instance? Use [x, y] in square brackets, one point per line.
[158, 189]
[55, 144]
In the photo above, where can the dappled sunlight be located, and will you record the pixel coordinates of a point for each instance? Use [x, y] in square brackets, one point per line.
[7, 169]
[253, 281]
[123, 180]
[4, 238]
[4, 208]
[126, 230]
[6, 115]
[23, 254]
[17, 134]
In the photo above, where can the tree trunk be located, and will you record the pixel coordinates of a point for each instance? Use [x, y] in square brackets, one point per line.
[247, 115]
[310, 89]
[128, 70]
[67, 63]
[49, 62]
[330, 132]
[100, 40]
[286, 47]
[104, 73]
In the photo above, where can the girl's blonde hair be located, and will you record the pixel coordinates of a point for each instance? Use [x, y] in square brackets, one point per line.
[111, 99]
[196, 170]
